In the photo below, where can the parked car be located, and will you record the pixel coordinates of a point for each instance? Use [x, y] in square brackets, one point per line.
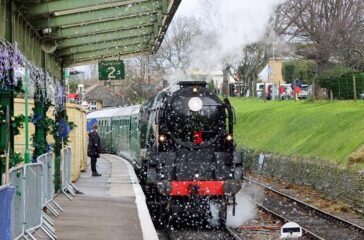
[260, 87]
[361, 96]
[304, 92]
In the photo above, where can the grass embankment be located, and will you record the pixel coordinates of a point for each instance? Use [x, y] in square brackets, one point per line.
[326, 130]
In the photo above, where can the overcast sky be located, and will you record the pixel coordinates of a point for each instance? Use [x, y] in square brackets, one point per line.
[187, 7]
[227, 27]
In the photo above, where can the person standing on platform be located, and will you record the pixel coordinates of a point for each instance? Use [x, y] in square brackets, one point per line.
[94, 149]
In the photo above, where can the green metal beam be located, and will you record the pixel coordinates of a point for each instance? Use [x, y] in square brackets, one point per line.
[121, 24]
[99, 46]
[105, 37]
[2, 19]
[157, 29]
[97, 15]
[67, 5]
[169, 12]
[105, 53]
[111, 57]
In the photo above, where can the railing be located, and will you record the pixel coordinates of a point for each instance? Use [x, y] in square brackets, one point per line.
[16, 179]
[33, 184]
[66, 165]
[6, 195]
[48, 186]
[34, 191]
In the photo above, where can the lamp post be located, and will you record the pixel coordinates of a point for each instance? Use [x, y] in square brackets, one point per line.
[26, 89]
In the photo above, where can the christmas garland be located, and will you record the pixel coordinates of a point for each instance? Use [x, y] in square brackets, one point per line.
[42, 87]
[10, 59]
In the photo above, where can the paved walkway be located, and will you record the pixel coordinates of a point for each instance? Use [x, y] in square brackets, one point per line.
[111, 207]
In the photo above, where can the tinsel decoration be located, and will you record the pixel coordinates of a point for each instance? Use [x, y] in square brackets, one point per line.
[10, 59]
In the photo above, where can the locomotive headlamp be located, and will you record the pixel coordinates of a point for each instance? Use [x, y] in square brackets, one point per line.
[195, 104]
[194, 89]
[229, 137]
[162, 138]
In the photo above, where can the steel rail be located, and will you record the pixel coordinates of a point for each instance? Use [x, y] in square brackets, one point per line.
[308, 206]
[169, 233]
[233, 233]
[307, 232]
[325, 216]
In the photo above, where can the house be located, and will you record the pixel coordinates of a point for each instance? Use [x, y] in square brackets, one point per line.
[272, 72]
[99, 95]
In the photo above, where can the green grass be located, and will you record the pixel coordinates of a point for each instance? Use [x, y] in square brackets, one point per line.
[327, 130]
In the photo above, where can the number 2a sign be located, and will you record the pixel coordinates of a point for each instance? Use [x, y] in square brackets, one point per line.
[111, 70]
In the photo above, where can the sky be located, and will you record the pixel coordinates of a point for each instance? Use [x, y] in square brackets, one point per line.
[239, 23]
[187, 7]
[234, 24]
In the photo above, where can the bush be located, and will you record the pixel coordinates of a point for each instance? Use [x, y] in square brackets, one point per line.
[340, 81]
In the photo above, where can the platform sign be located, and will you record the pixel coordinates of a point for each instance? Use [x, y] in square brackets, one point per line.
[111, 70]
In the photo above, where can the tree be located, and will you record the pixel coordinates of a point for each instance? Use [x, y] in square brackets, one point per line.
[144, 78]
[301, 69]
[177, 45]
[211, 85]
[255, 57]
[326, 31]
[73, 87]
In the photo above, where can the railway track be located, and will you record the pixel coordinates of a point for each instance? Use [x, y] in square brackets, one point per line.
[202, 234]
[199, 233]
[317, 224]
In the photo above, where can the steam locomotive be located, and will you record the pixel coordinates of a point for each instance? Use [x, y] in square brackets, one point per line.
[181, 144]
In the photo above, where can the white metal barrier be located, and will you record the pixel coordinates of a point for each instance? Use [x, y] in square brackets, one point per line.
[33, 196]
[48, 186]
[34, 191]
[16, 179]
[66, 165]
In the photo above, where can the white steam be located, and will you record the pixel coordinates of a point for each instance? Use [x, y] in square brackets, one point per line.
[245, 208]
[227, 26]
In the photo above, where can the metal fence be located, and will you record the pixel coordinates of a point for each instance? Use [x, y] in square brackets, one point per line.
[66, 165]
[16, 179]
[34, 190]
[33, 196]
[46, 160]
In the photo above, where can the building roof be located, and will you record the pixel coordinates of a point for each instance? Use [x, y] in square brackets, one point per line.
[114, 112]
[86, 31]
[99, 92]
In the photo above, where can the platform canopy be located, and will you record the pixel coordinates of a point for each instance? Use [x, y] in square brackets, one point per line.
[89, 30]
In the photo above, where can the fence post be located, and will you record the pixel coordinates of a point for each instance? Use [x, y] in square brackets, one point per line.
[354, 87]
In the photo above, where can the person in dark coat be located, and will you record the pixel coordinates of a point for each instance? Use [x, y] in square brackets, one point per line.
[94, 149]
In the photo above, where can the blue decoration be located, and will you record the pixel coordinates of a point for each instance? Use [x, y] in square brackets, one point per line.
[36, 118]
[63, 129]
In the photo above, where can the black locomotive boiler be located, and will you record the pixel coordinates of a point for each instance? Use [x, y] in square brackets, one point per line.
[181, 143]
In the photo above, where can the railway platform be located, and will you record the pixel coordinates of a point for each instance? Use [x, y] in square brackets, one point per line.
[109, 207]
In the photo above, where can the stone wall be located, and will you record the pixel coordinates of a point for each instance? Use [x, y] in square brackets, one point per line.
[324, 176]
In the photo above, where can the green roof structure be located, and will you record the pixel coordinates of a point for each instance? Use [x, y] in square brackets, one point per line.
[89, 30]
